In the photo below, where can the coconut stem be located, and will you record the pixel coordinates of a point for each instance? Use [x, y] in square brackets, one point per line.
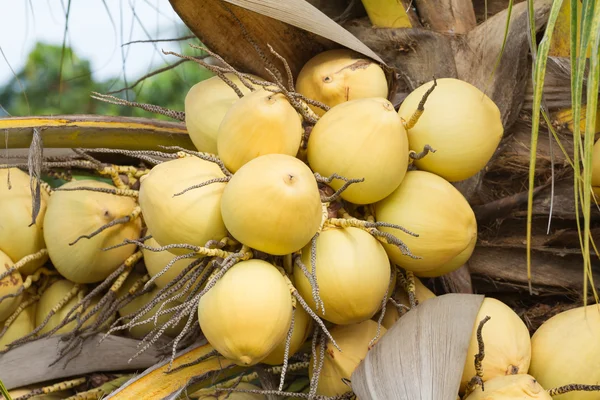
[116, 191]
[58, 387]
[477, 380]
[318, 364]
[408, 283]
[420, 108]
[17, 312]
[24, 261]
[337, 194]
[178, 115]
[573, 387]
[286, 353]
[137, 211]
[314, 317]
[210, 354]
[418, 156]
[203, 184]
[372, 228]
[383, 308]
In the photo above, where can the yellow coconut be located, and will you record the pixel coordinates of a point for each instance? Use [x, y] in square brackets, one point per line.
[507, 343]
[354, 341]
[596, 171]
[361, 139]
[565, 350]
[511, 387]
[138, 303]
[17, 238]
[23, 325]
[272, 204]
[50, 298]
[71, 214]
[156, 261]
[260, 123]
[212, 394]
[206, 103]
[336, 76]
[429, 206]
[392, 315]
[248, 312]
[460, 123]
[10, 285]
[303, 324]
[193, 217]
[353, 274]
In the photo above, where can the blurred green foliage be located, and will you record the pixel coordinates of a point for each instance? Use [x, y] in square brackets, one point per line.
[48, 94]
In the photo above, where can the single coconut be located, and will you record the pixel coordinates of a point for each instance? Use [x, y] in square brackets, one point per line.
[71, 214]
[260, 123]
[23, 325]
[51, 297]
[206, 103]
[353, 274]
[460, 123]
[303, 325]
[506, 340]
[361, 139]
[248, 312]
[10, 285]
[193, 217]
[18, 238]
[511, 387]
[354, 341]
[336, 76]
[438, 213]
[564, 350]
[272, 204]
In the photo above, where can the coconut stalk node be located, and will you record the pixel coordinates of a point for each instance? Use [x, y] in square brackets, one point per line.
[422, 355]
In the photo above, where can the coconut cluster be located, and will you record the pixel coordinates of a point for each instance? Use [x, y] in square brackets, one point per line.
[282, 232]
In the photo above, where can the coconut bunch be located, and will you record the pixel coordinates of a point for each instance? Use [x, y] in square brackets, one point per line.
[302, 205]
[76, 276]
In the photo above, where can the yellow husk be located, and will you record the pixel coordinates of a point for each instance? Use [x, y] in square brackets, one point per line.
[565, 350]
[50, 298]
[211, 394]
[247, 313]
[511, 387]
[260, 123]
[9, 285]
[357, 139]
[206, 103]
[193, 217]
[139, 331]
[460, 122]
[336, 76]
[354, 341]
[17, 238]
[353, 274]
[392, 315]
[303, 325]
[272, 204]
[429, 206]
[23, 325]
[507, 343]
[71, 214]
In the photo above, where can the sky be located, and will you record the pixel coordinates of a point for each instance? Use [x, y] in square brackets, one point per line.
[90, 33]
